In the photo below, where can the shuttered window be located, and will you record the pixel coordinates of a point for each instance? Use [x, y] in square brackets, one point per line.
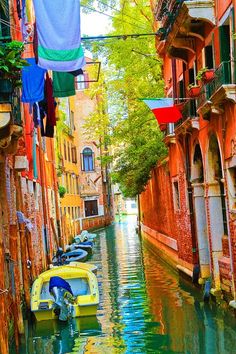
[5, 33]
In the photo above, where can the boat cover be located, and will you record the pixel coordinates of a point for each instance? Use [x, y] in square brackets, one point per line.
[60, 283]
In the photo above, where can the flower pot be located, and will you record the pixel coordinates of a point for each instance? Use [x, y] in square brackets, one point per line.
[194, 91]
[6, 90]
[208, 76]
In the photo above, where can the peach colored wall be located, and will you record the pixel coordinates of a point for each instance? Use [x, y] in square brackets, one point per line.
[221, 7]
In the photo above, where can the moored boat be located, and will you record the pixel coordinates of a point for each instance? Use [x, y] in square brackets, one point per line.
[61, 258]
[85, 236]
[86, 246]
[87, 266]
[64, 292]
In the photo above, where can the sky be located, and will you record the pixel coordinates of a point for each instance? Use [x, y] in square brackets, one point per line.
[94, 24]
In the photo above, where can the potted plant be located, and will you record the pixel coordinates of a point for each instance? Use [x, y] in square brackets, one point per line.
[205, 75]
[62, 191]
[11, 65]
[194, 90]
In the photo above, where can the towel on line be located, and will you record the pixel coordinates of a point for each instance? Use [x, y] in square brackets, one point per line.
[63, 84]
[59, 38]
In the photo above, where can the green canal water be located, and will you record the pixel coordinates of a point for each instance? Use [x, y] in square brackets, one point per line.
[145, 307]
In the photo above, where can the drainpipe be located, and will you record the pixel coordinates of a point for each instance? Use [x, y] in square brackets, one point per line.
[55, 184]
[44, 201]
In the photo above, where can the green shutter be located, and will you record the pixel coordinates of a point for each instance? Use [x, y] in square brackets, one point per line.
[5, 32]
[224, 43]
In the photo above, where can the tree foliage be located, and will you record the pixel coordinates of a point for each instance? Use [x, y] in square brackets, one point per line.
[133, 71]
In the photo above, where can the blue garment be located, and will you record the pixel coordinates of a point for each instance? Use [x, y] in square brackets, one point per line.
[59, 283]
[32, 82]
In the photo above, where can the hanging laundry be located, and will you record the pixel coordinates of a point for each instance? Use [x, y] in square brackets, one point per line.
[36, 115]
[59, 41]
[18, 8]
[47, 109]
[63, 84]
[51, 105]
[76, 72]
[32, 82]
[27, 19]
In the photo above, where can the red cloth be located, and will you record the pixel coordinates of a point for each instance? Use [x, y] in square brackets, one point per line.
[167, 114]
[51, 114]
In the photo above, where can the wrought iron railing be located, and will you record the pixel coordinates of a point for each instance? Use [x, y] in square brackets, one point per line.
[166, 12]
[224, 75]
[189, 111]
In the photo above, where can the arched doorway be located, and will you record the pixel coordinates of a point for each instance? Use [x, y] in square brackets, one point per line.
[197, 179]
[216, 206]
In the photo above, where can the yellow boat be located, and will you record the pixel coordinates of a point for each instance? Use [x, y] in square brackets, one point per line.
[82, 300]
[86, 266]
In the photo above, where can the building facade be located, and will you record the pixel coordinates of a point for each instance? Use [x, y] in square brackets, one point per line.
[188, 208]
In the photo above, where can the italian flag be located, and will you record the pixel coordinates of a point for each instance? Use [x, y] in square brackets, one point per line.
[164, 109]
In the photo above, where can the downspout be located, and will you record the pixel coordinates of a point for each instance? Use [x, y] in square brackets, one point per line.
[55, 184]
[44, 201]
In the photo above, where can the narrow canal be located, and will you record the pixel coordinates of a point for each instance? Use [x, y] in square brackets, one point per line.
[144, 308]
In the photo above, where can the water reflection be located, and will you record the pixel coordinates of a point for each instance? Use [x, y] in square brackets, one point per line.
[144, 308]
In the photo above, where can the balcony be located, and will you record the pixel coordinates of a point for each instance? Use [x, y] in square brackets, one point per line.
[181, 23]
[221, 89]
[189, 120]
[203, 9]
[10, 125]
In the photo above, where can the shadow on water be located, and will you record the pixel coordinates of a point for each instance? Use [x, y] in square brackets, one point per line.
[144, 308]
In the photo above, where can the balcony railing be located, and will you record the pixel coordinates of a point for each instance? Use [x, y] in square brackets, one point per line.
[166, 12]
[189, 111]
[224, 75]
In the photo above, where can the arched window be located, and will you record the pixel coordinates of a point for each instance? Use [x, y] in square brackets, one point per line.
[87, 158]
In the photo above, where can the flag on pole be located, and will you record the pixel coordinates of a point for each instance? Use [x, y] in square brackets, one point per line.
[59, 38]
[164, 109]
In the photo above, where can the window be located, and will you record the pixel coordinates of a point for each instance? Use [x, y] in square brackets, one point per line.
[4, 27]
[176, 195]
[72, 120]
[65, 155]
[77, 185]
[82, 81]
[87, 160]
[68, 147]
[91, 207]
[209, 57]
[74, 154]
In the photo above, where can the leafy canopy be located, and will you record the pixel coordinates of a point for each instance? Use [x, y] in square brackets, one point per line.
[133, 71]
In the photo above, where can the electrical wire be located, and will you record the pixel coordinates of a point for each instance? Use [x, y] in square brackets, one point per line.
[98, 38]
[103, 13]
[122, 12]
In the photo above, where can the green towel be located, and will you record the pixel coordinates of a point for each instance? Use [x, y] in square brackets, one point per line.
[63, 84]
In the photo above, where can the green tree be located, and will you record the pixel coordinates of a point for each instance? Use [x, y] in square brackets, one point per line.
[133, 71]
